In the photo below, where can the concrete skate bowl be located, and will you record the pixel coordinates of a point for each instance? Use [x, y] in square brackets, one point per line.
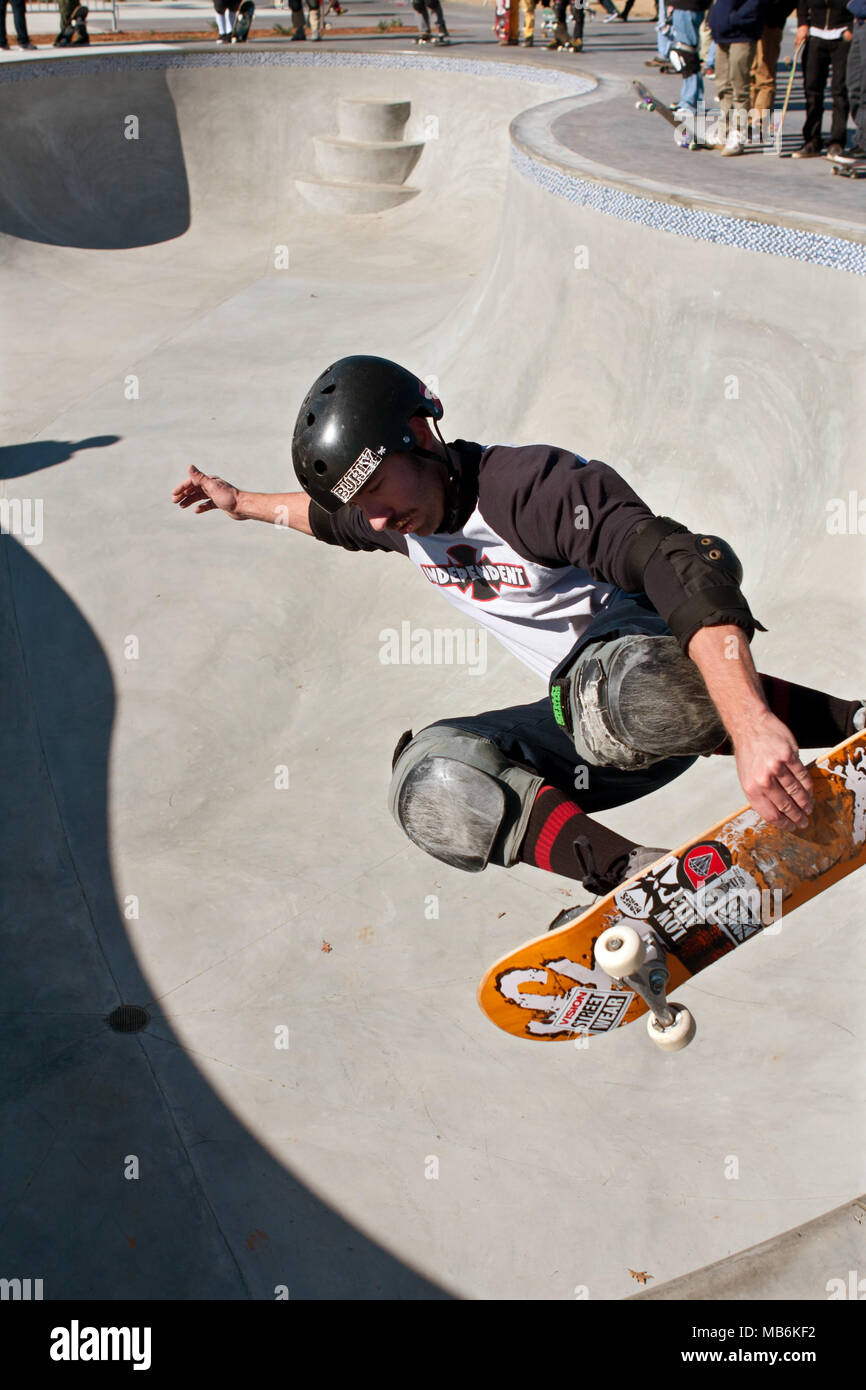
[200, 717]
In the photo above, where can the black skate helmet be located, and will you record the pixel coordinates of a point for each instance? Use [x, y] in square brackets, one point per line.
[354, 414]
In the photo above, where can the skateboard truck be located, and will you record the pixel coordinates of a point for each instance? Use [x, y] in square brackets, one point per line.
[639, 962]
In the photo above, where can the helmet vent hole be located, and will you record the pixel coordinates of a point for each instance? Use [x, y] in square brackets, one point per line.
[310, 419]
[320, 467]
[326, 390]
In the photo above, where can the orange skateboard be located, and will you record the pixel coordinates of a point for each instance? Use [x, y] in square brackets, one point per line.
[620, 957]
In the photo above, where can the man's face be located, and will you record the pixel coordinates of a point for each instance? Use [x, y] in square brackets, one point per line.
[404, 494]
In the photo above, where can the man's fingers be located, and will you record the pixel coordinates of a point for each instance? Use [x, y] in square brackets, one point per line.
[784, 807]
[206, 507]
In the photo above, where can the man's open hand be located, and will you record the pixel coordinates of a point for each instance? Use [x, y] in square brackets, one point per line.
[775, 781]
[211, 494]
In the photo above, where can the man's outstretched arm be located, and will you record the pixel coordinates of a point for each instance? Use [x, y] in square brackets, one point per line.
[208, 493]
[768, 763]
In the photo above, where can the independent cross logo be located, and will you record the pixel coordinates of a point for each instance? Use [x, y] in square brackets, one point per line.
[475, 576]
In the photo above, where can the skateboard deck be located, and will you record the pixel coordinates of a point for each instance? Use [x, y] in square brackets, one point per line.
[76, 21]
[505, 21]
[700, 902]
[648, 102]
[849, 171]
[243, 21]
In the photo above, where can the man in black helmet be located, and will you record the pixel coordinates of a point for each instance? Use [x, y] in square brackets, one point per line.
[638, 628]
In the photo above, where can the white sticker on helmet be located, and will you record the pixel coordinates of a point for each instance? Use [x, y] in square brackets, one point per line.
[355, 476]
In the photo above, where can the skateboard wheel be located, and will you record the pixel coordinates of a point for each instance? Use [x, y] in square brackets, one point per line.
[619, 951]
[680, 1033]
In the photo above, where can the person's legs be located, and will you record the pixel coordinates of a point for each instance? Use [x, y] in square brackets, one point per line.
[816, 65]
[19, 15]
[663, 31]
[740, 59]
[724, 86]
[436, 8]
[856, 82]
[839, 91]
[507, 786]
[685, 28]
[762, 96]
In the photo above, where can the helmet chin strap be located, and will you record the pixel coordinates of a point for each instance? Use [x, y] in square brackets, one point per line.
[452, 488]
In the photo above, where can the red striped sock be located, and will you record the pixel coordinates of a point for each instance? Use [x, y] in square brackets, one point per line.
[554, 824]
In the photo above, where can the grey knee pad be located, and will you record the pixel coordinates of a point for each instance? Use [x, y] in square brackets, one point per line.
[639, 699]
[460, 799]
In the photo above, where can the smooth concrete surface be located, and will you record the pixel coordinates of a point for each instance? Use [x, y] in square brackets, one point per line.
[199, 718]
[798, 1259]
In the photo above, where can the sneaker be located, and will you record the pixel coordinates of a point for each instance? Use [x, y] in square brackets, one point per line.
[611, 18]
[28, 44]
[734, 144]
[617, 873]
[852, 155]
[709, 72]
[807, 152]
[526, 43]
[834, 149]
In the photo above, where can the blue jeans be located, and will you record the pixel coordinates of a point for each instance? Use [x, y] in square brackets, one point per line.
[686, 29]
[664, 41]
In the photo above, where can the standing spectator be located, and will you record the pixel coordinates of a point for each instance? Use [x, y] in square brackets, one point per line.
[736, 26]
[664, 40]
[856, 78]
[423, 8]
[527, 8]
[825, 30]
[19, 15]
[708, 47]
[686, 18]
[763, 75]
[225, 18]
[561, 39]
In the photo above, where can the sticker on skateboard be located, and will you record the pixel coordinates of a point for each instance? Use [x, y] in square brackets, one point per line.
[619, 958]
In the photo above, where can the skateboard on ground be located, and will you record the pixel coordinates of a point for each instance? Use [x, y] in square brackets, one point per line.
[619, 957]
[850, 169]
[243, 22]
[686, 139]
[76, 22]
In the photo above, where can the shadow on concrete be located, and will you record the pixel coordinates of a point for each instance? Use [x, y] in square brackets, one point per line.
[111, 180]
[18, 460]
[80, 1101]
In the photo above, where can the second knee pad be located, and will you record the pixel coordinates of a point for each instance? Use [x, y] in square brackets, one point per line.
[639, 699]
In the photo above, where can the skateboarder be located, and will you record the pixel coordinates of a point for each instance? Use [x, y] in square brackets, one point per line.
[637, 627]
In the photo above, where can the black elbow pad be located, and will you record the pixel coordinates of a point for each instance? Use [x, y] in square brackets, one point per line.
[692, 580]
